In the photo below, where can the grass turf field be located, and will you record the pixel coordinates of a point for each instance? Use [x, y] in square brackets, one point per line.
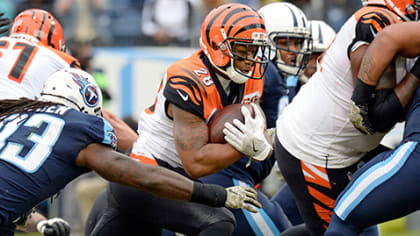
[391, 228]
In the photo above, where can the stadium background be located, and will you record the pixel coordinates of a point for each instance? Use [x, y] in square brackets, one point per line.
[119, 39]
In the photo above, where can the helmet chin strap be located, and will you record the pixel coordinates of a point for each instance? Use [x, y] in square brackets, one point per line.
[235, 76]
[230, 72]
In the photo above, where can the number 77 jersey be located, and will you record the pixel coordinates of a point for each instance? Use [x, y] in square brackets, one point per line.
[25, 65]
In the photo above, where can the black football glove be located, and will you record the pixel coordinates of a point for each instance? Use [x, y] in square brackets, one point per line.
[4, 23]
[359, 107]
[54, 227]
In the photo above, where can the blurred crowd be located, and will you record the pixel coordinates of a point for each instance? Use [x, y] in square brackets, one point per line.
[154, 22]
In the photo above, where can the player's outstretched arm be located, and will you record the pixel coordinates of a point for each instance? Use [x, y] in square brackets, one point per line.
[117, 167]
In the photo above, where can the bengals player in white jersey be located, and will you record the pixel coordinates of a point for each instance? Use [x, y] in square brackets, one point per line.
[317, 146]
[173, 132]
[33, 51]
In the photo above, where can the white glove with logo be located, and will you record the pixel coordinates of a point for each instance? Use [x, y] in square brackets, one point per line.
[242, 197]
[54, 227]
[248, 137]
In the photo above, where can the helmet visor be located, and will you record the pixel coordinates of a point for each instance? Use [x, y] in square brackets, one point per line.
[248, 57]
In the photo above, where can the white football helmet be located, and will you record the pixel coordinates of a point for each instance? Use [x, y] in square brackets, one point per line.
[322, 35]
[408, 10]
[285, 20]
[74, 88]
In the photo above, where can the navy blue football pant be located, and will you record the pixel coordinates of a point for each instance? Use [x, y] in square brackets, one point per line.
[270, 219]
[284, 197]
[385, 188]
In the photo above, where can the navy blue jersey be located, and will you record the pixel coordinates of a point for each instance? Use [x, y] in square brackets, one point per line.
[275, 94]
[38, 153]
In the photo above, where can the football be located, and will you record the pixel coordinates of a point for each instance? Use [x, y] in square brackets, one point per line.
[219, 118]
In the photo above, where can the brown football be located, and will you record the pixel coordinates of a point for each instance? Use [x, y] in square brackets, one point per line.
[219, 118]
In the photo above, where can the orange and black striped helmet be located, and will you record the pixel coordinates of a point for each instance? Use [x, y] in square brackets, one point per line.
[408, 10]
[39, 25]
[229, 24]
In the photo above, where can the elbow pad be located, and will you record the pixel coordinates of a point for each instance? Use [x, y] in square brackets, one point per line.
[385, 110]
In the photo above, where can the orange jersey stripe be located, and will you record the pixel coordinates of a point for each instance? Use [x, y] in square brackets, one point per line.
[143, 159]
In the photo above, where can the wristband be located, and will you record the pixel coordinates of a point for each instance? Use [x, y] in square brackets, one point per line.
[415, 70]
[362, 92]
[209, 194]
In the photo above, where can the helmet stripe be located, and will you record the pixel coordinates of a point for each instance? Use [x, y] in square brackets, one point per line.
[44, 16]
[320, 37]
[251, 26]
[310, 29]
[211, 23]
[50, 33]
[294, 16]
[230, 14]
[237, 20]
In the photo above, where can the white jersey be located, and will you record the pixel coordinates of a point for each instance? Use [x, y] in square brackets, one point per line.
[25, 66]
[315, 127]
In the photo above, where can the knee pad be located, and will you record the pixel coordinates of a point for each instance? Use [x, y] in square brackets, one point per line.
[220, 222]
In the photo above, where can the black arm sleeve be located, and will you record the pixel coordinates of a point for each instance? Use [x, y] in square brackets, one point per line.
[385, 110]
[209, 194]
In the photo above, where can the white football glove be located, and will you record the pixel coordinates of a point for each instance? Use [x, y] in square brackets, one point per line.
[54, 227]
[248, 138]
[242, 197]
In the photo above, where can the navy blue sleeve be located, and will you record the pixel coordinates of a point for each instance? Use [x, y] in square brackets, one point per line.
[81, 130]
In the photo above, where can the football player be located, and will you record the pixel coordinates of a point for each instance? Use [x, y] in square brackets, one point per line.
[33, 50]
[173, 132]
[317, 147]
[322, 36]
[386, 187]
[48, 142]
[289, 38]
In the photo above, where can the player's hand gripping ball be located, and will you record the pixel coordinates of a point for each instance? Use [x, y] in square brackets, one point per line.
[219, 118]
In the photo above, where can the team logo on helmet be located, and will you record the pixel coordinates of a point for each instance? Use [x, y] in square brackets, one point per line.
[89, 92]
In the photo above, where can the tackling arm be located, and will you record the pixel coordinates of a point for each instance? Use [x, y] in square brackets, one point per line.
[119, 168]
